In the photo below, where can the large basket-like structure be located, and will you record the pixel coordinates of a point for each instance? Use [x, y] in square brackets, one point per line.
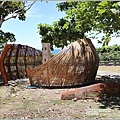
[76, 64]
[16, 58]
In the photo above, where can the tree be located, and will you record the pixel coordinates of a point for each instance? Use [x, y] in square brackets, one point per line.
[60, 33]
[86, 19]
[109, 52]
[46, 31]
[94, 17]
[9, 10]
[65, 32]
[4, 38]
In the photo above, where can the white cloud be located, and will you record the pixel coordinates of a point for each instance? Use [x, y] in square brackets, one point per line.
[51, 17]
[34, 16]
[33, 13]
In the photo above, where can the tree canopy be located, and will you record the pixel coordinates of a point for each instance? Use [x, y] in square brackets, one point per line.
[9, 10]
[109, 52]
[86, 19]
[60, 33]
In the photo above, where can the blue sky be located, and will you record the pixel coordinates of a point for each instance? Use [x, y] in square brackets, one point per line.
[41, 12]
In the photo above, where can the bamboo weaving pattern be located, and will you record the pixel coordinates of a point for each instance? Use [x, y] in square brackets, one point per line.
[76, 64]
[16, 58]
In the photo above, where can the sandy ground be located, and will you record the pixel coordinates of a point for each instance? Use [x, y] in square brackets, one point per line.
[19, 102]
[113, 70]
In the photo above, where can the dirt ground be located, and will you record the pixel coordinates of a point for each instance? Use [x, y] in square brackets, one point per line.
[110, 69]
[19, 102]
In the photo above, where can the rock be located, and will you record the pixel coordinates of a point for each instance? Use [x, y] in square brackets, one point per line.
[75, 99]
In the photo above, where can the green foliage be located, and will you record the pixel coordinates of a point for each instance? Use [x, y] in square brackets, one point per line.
[46, 32]
[94, 16]
[4, 38]
[84, 19]
[10, 7]
[65, 32]
[60, 33]
[109, 52]
[8, 10]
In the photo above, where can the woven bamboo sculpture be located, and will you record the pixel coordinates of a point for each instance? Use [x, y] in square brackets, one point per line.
[77, 64]
[14, 60]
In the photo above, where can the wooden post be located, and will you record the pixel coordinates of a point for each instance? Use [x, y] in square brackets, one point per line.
[45, 52]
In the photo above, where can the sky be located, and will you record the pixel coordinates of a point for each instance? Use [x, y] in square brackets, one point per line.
[41, 12]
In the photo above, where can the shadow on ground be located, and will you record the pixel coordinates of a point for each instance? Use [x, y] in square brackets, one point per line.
[113, 103]
[110, 102]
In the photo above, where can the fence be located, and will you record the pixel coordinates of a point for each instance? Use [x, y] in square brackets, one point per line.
[14, 60]
[110, 62]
